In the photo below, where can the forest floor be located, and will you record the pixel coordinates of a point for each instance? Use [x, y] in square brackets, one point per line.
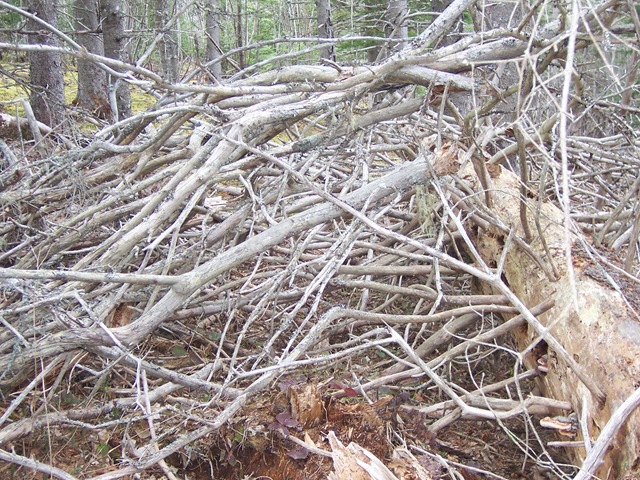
[266, 442]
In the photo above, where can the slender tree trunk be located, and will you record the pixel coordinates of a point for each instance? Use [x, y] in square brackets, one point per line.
[453, 35]
[168, 44]
[92, 81]
[212, 19]
[396, 25]
[47, 94]
[114, 38]
[630, 80]
[240, 35]
[325, 27]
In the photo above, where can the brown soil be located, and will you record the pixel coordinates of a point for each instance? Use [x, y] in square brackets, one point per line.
[259, 442]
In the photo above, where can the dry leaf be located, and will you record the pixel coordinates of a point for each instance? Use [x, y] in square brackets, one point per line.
[122, 316]
[445, 161]
[494, 170]
[407, 467]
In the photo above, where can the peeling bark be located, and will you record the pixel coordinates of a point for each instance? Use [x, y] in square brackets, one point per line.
[591, 320]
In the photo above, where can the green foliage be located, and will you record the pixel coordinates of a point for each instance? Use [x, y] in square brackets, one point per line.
[467, 21]
[13, 89]
[140, 100]
[9, 19]
[13, 80]
[262, 20]
[178, 351]
[103, 448]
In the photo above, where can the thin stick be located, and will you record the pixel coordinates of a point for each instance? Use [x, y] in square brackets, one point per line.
[619, 417]
[136, 278]
[35, 465]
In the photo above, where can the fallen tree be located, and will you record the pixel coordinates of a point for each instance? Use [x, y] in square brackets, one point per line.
[593, 319]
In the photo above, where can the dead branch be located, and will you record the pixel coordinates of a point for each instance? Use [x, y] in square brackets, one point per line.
[312, 221]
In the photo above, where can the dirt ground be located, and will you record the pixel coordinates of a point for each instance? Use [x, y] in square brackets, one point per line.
[283, 432]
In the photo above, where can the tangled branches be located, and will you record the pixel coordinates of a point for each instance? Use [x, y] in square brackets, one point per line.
[307, 225]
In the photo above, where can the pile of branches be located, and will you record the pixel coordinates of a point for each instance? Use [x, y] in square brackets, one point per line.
[185, 259]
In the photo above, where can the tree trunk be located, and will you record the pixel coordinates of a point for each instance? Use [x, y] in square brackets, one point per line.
[47, 94]
[395, 25]
[212, 19]
[92, 81]
[240, 35]
[168, 44]
[599, 331]
[325, 28]
[114, 47]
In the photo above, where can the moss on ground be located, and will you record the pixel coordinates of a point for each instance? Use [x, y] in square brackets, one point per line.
[14, 79]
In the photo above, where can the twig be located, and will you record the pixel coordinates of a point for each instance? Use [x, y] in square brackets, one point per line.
[608, 433]
[35, 465]
[33, 384]
[70, 276]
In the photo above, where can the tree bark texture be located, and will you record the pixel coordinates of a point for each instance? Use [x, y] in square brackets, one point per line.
[591, 320]
[47, 95]
[454, 34]
[112, 15]
[395, 24]
[239, 31]
[168, 43]
[92, 80]
[325, 27]
[212, 20]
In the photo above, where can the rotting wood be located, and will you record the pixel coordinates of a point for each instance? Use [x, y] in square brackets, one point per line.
[599, 329]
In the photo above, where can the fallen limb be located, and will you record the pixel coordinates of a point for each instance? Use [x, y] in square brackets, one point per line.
[591, 322]
[607, 437]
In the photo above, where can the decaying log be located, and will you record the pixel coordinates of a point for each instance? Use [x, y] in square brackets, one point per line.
[591, 320]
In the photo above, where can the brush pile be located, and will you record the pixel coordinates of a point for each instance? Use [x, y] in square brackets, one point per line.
[255, 274]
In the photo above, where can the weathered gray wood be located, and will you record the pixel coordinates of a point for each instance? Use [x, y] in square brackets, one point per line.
[401, 179]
